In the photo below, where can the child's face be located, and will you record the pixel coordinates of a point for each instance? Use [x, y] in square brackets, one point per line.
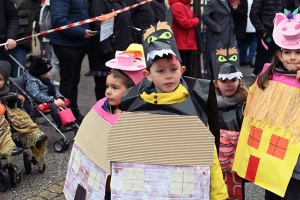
[47, 75]
[115, 89]
[227, 87]
[165, 74]
[290, 59]
[2, 81]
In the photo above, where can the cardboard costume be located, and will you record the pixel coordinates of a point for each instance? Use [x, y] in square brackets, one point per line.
[269, 147]
[226, 65]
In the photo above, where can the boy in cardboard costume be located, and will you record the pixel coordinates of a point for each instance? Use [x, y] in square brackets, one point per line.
[166, 92]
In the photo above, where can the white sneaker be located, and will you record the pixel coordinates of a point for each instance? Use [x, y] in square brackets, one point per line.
[56, 83]
[254, 75]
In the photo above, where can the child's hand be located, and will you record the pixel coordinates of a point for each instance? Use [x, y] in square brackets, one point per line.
[298, 76]
[59, 102]
[234, 5]
[21, 98]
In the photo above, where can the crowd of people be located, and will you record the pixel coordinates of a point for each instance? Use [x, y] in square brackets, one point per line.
[256, 131]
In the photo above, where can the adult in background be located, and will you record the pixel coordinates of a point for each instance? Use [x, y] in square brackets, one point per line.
[9, 24]
[142, 17]
[184, 24]
[262, 14]
[250, 42]
[102, 51]
[217, 17]
[70, 46]
[160, 9]
[26, 11]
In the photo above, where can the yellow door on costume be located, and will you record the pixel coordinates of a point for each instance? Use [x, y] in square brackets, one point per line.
[265, 156]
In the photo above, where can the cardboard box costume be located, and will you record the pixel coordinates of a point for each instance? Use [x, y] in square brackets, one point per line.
[269, 147]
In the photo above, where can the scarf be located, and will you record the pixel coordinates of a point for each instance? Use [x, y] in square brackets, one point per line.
[224, 102]
[47, 82]
[175, 97]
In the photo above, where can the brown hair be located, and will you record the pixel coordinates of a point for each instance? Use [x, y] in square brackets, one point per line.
[263, 78]
[240, 94]
[128, 82]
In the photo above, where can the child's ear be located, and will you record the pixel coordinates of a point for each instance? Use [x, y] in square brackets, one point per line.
[216, 84]
[147, 75]
[279, 55]
[183, 68]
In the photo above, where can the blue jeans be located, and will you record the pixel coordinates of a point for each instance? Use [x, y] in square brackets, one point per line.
[20, 55]
[207, 58]
[249, 42]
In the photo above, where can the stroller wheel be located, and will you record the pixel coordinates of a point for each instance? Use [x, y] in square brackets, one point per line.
[59, 146]
[4, 180]
[66, 143]
[14, 173]
[43, 169]
[27, 162]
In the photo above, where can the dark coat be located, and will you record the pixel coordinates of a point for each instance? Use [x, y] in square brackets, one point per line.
[231, 118]
[160, 9]
[64, 12]
[184, 24]
[122, 37]
[216, 15]
[9, 22]
[263, 13]
[239, 17]
[37, 90]
[26, 11]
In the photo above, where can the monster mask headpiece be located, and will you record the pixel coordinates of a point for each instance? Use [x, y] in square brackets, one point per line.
[159, 40]
[226, 61]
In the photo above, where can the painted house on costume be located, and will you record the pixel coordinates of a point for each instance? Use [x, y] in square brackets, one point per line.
[145, 161]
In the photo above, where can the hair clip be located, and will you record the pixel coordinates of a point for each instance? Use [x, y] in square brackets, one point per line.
[290, 15]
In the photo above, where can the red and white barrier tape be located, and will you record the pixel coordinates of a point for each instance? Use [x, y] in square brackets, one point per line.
[99, 18]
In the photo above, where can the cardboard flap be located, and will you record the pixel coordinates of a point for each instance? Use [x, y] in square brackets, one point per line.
[92, 139]
[160, 139]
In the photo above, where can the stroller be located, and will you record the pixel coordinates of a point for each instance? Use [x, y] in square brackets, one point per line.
[31, 107]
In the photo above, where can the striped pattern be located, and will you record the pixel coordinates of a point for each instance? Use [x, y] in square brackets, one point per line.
[100, 18]
[92, 139]
[160, 139]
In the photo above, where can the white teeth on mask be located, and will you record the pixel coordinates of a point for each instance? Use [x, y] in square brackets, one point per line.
[159, 53]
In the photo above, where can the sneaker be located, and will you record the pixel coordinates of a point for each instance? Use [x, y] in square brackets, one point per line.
[56, 83]
[66, 128]
[17, 151]
[89, 73]
[250, 63]
[254, 75]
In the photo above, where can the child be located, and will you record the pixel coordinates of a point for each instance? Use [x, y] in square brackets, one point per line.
[39, 87]
[166, 92]
[268, 150]
[127, 71]
[30, 134]
[231, 97]
[7, 145]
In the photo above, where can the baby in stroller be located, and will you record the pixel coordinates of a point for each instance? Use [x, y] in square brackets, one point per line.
[30, 134]
[40, 88]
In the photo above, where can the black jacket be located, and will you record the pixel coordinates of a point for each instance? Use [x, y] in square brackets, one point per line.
[26, 11]
[9, 21]
[239, 17]
[160, 9]
[231, 118]
[263, 12]
[122, 37]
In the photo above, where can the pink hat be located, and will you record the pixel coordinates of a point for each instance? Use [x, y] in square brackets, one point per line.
[286, 33]
[131, 62]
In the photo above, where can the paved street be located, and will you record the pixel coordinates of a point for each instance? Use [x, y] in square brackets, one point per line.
[49, 185]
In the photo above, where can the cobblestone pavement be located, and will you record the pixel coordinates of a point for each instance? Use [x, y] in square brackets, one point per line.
[49, 185]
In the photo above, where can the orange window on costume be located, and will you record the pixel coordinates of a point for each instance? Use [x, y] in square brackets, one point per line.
[278, 146]
[254, 137]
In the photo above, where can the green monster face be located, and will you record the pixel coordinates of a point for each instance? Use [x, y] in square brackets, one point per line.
[225, 61]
